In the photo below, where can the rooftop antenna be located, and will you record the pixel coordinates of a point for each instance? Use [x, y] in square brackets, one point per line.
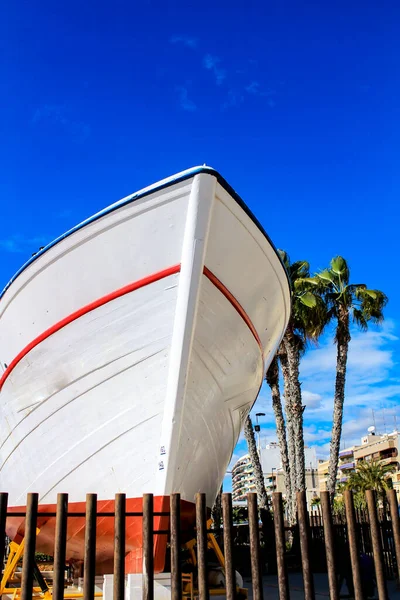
[373, 417]
[383, 417]
[395, 422]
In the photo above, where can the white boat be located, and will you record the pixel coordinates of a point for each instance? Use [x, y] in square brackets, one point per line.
[133, 347]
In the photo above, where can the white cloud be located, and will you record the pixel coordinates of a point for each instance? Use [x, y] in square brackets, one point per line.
[323, 450]
[316, 433]
[184, 100]
[311, 399]
[211, 63]
[371, 384]
[18, 243]
[367, 351]
[57, 115]
[253, 87]
[372, 389]
[186, 40]
[233, 100]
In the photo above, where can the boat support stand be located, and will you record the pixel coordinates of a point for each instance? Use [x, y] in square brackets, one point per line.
[11, 586]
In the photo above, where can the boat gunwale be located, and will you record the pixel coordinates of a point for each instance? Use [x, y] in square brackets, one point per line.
[161, 185]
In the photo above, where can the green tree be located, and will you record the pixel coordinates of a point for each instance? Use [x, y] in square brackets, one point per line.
[345, 301]
[370, 475]
[239, 514]
[316, 501]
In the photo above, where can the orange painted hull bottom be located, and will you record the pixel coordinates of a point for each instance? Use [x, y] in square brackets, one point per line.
[105, 532]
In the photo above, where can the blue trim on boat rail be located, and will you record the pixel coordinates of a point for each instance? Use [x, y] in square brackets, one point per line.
[183, 176]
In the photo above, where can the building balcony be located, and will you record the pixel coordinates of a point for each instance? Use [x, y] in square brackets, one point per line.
[347, 466]
[390, 460]
[242, 478]
[238, 469]
[236, 485]
[373, 449]
[346, 453]
[241, 483]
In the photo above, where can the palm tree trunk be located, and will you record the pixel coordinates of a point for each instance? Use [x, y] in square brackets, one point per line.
[262, 497]
[342, 339]
[291, 493]
[272, 378]
[256, 464]
[293, 356]
[216, 511]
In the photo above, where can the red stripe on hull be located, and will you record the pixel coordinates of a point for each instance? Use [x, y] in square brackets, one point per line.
[121, 292]
[136, 285]
[105, 532]
[235, 303]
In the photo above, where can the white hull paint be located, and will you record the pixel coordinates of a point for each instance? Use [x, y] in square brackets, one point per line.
[142, 390]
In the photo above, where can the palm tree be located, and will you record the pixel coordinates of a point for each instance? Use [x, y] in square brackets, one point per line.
[370, 475]
[259, 481]
[262, 496]
[307, 321]
[345, 301]
[216, 511]
[272, 378]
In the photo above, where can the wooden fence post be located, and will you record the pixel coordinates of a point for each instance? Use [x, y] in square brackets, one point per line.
[329, 545]
[28, 562]
[230, 575]
[376, 544]
[352, 534]
[254, 530]
[89, 567]
[3, 519]
[148, 556]
[119, 547]
[394, 516]
[304, 530]
[59, 546]
[201, 526]
[283, 583]
[175, 520]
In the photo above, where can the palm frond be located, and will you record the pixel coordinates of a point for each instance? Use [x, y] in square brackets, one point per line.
[300, 268]
[284, 256]
[326, 275]
[359, 319]
[372, 304]
[370, 475]
[356, 288]
[308, 299]
[340, 267]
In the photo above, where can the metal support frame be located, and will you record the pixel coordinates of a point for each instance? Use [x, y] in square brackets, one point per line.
[187, 579]
[16, 552]
[11, 586]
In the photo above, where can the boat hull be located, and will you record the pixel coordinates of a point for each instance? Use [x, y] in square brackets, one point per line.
[134, 348]
[75, 547]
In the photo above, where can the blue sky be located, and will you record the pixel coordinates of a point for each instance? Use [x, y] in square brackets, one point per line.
[295, 103]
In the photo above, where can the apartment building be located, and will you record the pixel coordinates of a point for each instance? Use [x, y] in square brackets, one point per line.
[381, 448]
[243, 477]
